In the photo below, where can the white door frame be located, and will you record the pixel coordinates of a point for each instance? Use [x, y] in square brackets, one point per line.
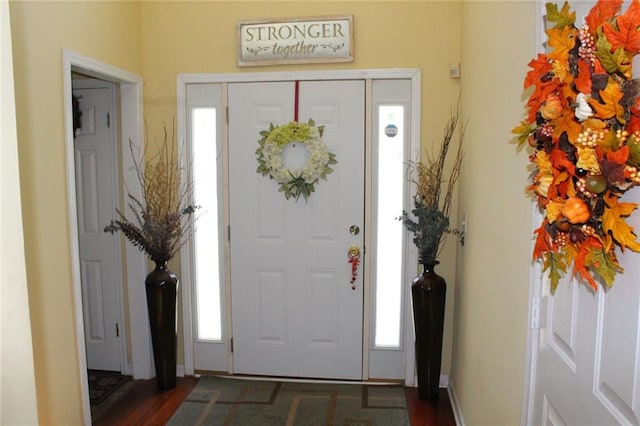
[410, 251]
[535, 280]
[533, 334]
[130, 91]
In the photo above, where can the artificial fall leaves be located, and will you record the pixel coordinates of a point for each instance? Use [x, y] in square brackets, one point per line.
[583, 120]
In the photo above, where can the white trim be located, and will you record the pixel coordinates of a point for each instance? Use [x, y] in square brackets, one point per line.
[535, 281]
[444, 381]
[185, 262]
[533, 338]
[300, 75]
[368, 221]
[410, 250]
[137, 264]
[412, 74]
[131, 98]
[455, 406]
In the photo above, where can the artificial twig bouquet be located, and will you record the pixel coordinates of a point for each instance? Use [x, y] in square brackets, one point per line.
[163, 216]
[432, 205]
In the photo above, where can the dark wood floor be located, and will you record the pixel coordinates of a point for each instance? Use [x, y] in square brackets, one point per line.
[144, 405]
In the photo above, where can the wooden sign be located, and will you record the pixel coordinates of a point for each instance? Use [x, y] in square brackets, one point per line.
[295, 41]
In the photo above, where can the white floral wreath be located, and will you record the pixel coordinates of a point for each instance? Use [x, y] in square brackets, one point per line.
[299, 181]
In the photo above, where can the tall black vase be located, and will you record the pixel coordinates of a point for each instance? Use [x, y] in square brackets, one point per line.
[428, 293]
[162, 287]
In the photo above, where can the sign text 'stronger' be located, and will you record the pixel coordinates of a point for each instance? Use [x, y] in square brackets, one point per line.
[295, 41]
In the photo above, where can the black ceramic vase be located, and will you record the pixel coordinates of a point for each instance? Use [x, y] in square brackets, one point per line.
[428, 293]
[162, 287]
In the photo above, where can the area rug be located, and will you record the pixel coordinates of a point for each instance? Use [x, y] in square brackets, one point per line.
[227, 401]
[105, 389]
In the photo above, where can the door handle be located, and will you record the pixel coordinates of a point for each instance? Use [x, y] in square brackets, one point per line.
[354, 260]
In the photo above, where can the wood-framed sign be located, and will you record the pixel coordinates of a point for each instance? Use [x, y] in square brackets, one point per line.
[295, 41]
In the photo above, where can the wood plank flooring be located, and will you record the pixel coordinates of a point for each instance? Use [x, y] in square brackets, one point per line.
[144, 405]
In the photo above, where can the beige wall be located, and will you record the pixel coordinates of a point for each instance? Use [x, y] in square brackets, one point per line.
[493, 284]
[17, 378]
[161, 39]
[106, 31]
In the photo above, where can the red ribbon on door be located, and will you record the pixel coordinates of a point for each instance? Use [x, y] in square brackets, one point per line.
[295, 103]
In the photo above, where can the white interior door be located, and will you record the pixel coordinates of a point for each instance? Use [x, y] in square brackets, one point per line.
[96, 195]
[587, 369]
[587, 364]
[294, 311]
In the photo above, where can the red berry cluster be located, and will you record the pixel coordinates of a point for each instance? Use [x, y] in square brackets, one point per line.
[587, 49]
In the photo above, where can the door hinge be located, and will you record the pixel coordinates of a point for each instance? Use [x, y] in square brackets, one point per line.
[229, 233]
[117, 330]
[231, 343]
[539, 312]
[226, 114]
[108, 120]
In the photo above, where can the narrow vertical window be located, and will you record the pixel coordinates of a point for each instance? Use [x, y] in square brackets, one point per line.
[388, 230]
[205, 192]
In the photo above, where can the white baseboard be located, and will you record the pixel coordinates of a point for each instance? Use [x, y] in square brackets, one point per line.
[127, 369]
[455, 406]
[180, 370]
[444, 380]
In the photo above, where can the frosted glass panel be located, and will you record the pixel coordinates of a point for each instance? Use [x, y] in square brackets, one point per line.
[389, 184]
[207, 266]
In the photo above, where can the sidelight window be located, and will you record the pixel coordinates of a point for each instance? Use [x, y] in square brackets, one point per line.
[388, 230]
[206, 241]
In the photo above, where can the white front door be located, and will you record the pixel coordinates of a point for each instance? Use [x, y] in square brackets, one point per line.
[96, 195]
[294, 310]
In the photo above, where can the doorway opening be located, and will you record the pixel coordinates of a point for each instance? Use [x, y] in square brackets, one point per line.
[97, 197]
[129, 94]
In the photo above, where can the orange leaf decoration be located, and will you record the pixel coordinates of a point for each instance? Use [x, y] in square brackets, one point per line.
[626, 35]
[542, 240]
[611, 107]
[634, 124]
[579, 262]
[620, 156]
[602, 12]
[544, 84]
[541, 66]
[613, 222]
[567, 122]
[562, 40]
[583, 82]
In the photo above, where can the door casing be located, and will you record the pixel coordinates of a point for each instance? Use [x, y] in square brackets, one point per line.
[414, 133]
[130, 93]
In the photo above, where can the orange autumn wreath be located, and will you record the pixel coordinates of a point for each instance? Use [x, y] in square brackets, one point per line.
[583, 123]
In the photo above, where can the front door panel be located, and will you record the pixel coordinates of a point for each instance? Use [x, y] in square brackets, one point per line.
[294, 310]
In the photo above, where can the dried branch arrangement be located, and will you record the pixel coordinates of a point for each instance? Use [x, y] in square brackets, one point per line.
[163, 217]
[432, 206]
